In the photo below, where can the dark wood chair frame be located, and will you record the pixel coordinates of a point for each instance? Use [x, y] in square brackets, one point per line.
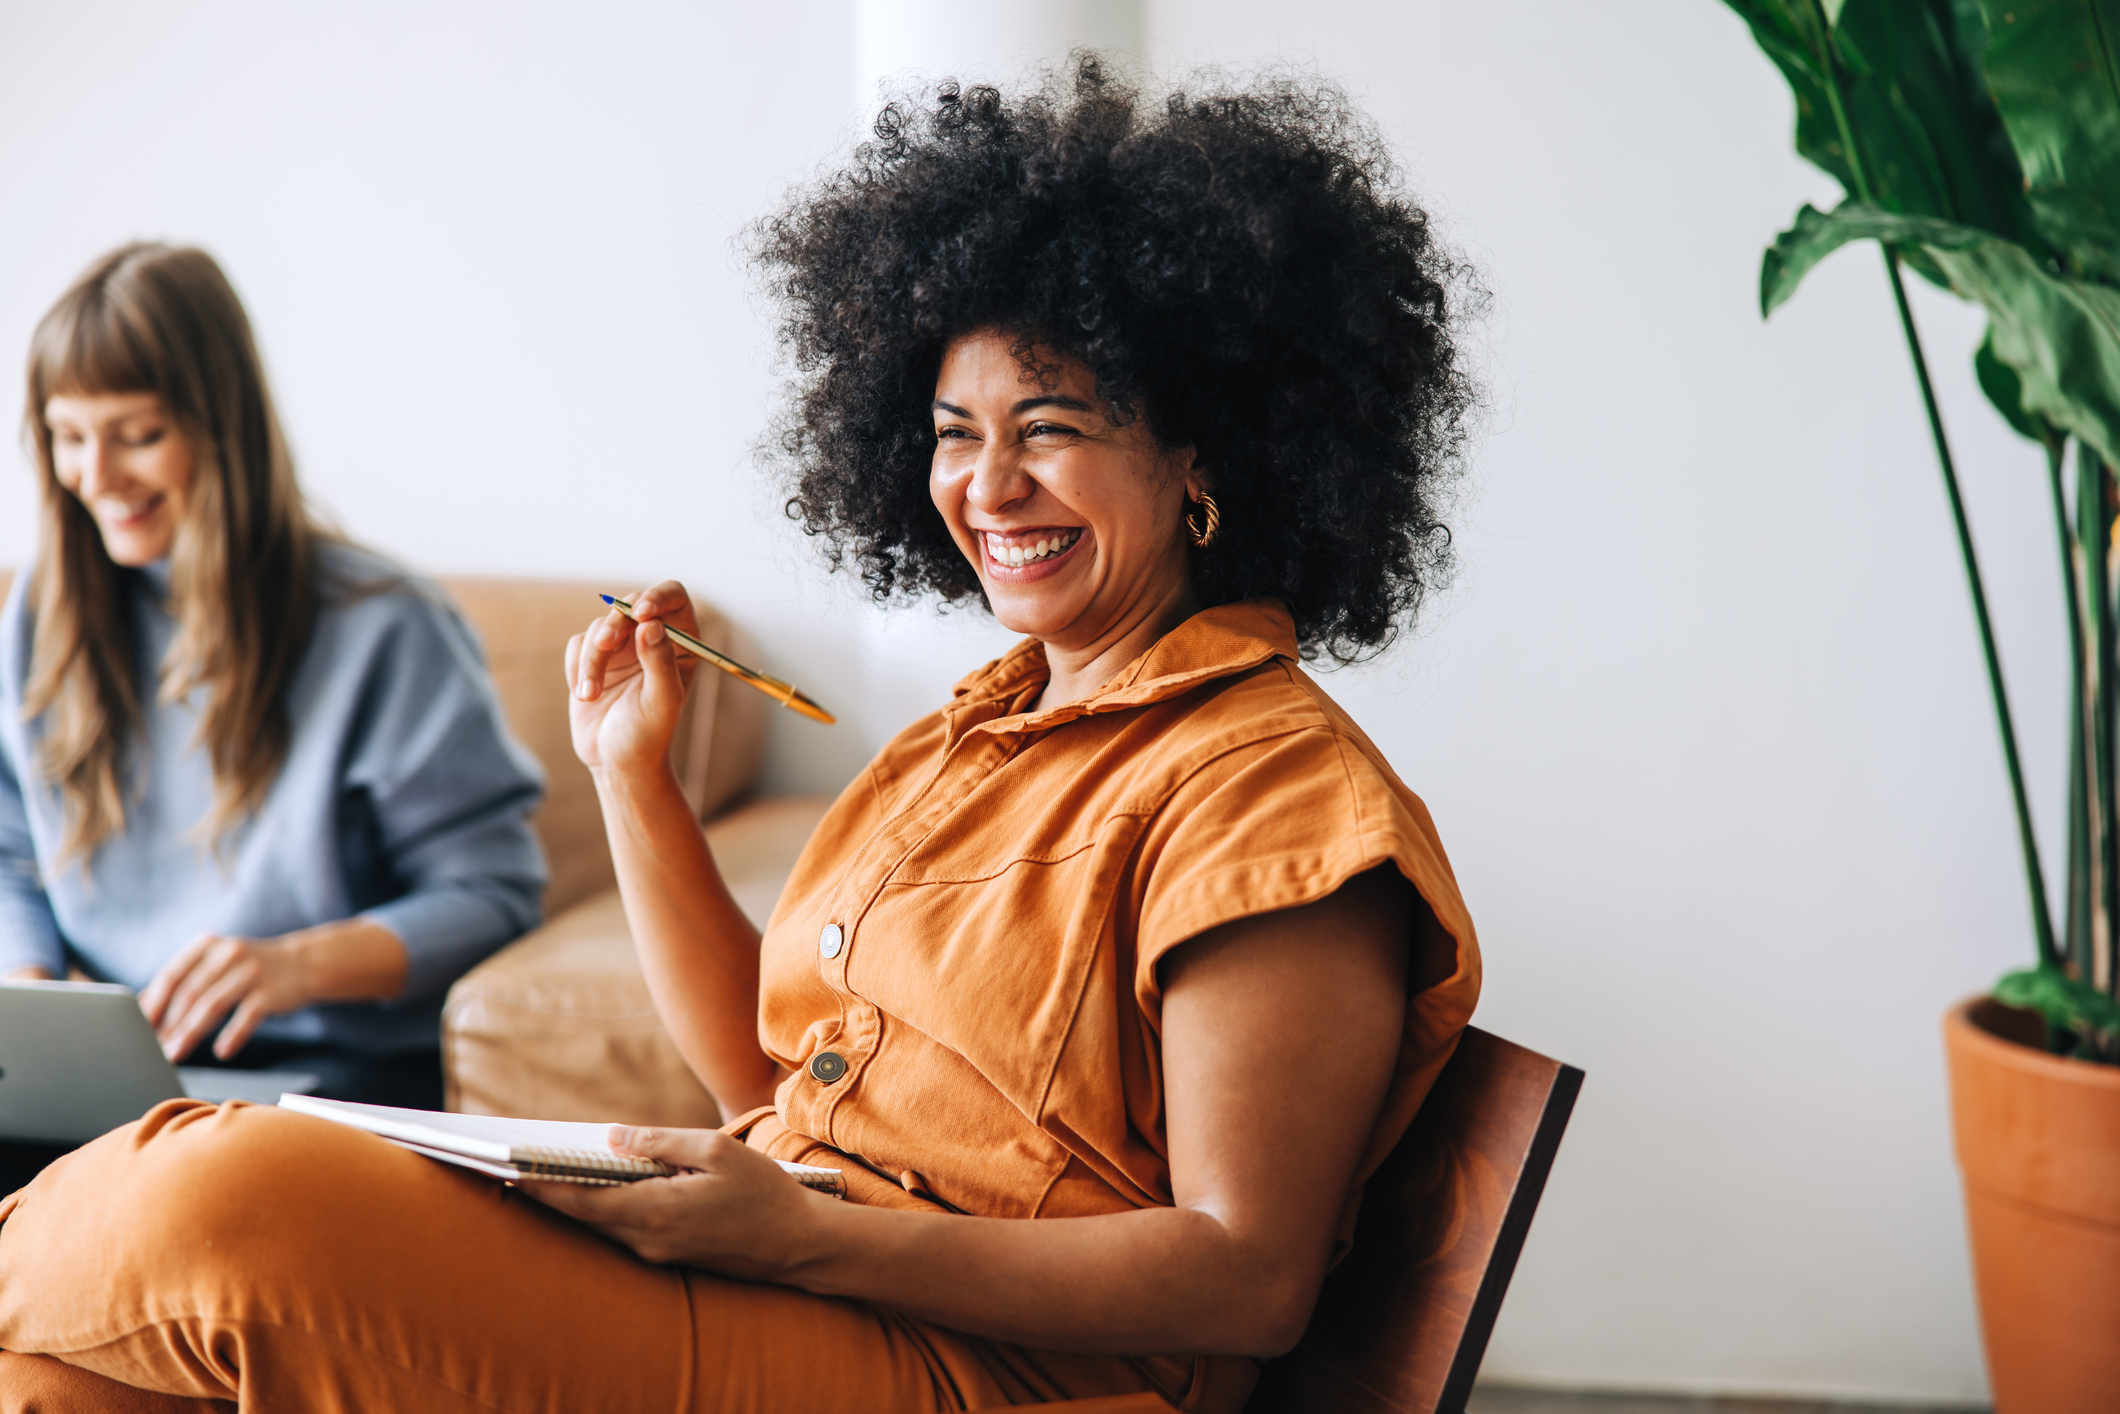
[1402, 1323]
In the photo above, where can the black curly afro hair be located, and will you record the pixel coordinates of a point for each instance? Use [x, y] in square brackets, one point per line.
[1235, 266]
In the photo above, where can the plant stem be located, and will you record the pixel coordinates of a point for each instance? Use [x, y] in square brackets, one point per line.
[2075, 944]
[2094, 491]
[2081, 780]
[2091, 538]
[2069, 566]
[2035, 877]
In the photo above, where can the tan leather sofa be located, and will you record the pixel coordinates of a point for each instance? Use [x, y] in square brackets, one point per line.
[558, 1025]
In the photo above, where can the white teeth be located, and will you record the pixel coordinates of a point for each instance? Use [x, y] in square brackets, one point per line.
[1016, 556]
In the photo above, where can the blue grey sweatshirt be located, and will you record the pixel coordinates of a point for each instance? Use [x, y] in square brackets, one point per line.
[403, 800]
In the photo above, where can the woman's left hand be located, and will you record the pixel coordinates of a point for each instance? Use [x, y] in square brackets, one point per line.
[350, 960]
[730, 1209]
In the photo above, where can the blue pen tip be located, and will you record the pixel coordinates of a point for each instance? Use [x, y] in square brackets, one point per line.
[607, 598]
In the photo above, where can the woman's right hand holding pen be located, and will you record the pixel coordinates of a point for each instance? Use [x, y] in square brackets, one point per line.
[626, 683]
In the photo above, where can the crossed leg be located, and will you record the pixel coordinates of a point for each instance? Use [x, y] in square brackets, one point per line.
[38, 1384]
[246, 1253]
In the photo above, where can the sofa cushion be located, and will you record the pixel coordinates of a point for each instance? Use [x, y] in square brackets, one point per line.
[525, 624]
[560, 1025]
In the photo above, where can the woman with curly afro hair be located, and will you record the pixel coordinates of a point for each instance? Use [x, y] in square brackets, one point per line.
[1104, 987]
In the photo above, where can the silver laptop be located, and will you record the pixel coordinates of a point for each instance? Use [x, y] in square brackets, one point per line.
[78, 1059]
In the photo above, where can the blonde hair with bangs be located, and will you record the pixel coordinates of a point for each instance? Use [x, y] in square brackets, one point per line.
[150, 318]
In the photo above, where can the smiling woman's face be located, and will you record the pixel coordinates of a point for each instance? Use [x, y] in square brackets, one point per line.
[130, 464]
[1072, 523]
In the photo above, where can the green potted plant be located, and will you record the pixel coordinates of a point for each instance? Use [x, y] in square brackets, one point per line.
[1978, 143]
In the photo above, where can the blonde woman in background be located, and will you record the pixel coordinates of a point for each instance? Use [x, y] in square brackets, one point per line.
[246, 768]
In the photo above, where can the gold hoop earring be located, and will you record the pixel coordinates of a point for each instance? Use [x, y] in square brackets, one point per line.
[1204, 536]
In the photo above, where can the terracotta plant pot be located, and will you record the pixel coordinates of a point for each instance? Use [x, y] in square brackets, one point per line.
[2039, 1147]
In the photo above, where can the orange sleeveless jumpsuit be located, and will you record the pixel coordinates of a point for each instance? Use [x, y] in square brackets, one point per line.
[961, 978]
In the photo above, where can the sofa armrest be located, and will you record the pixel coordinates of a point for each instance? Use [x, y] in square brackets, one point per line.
[559, 1025]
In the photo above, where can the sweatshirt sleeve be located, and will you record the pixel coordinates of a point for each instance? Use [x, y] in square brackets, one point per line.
[449, 793]
[29, 931]
[29, 934]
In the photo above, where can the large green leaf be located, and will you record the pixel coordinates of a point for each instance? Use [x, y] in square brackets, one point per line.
[2006, 391]
[2060, 337]
[1935, 144]
[2051, 65]
[1817, 234]
[1929, 137]
[1789, 33]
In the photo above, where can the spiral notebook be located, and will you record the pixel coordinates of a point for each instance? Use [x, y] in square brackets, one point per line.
[555, 1151]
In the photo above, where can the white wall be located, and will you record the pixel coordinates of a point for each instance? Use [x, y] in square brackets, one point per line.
[1703, 724]
[900, 42]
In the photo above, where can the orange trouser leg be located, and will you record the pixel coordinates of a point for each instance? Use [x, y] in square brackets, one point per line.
[38, 1384]
[287, 1263]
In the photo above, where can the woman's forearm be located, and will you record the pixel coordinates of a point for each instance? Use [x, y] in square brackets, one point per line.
[352, 960]
[697, 949]
[1156, 1280]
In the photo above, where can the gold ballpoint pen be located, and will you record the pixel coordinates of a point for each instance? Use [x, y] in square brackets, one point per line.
[782, 692]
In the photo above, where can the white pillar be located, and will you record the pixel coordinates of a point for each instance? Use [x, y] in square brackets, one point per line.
[900, 43]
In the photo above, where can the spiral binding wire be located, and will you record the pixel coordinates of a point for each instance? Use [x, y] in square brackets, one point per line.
[612, 1170]
[585, 1166]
